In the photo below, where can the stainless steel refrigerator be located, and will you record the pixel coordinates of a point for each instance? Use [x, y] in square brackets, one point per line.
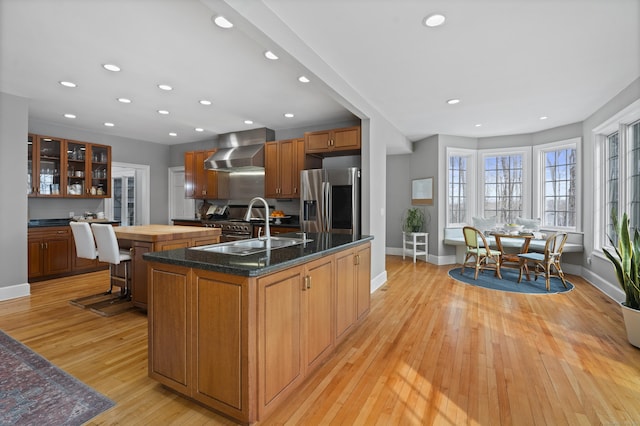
[330, 200]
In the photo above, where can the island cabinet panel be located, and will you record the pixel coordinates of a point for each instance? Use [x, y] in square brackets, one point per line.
[318, 317]
[219, 339]
[353, 287]
[279, 334]
[169, 326]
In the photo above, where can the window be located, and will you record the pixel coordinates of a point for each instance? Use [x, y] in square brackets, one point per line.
[559, 206]
[617, 165]
[503, 187]
[460, 186]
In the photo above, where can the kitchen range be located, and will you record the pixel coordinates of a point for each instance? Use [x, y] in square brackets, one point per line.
[230, 220]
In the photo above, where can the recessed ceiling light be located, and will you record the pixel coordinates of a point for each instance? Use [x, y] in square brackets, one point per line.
[222, 22]
[544, 117]
[68, 84]
[270, 55]
[173, 134]
[165, 87]
[248, 121]
[199, 129]
[124, 100]
[205, 102]
[289, 115]
[70, 115]
[453, 101]
[109, 124]
[111, 67]
[434, 20]
[303, 79]
[163, 112]
[478, 125]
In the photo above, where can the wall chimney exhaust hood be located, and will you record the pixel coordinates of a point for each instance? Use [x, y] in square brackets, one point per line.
[240, 150]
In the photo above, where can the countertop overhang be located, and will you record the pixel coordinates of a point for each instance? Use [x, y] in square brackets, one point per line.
[253, 265]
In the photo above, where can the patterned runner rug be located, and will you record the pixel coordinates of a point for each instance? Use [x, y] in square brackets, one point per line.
[35, 392]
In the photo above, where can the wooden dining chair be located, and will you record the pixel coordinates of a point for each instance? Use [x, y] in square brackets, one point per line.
[546, 264]
[478, 253]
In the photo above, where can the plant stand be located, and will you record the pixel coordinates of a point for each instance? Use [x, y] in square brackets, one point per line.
[419, 242]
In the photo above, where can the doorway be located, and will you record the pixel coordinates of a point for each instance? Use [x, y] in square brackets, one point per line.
[130, 200]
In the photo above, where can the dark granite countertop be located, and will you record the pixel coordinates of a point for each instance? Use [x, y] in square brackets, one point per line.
[261, 263]
[46, 223]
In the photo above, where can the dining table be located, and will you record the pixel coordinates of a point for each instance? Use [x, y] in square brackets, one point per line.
[511, 245]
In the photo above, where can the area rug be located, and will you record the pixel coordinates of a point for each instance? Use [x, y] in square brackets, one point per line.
[35, 392]
[509, 281]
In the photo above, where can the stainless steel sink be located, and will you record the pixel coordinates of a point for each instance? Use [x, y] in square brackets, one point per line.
[254, 245]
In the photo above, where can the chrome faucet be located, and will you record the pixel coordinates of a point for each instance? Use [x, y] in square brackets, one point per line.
[247, 217]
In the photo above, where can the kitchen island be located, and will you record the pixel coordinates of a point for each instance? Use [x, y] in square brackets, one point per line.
[240, 333]
[142, 239]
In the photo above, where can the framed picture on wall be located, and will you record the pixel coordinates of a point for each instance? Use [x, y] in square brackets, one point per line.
[422, 191]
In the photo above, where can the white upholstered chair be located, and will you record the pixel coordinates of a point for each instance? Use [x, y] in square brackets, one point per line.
[109, 251]
[83, 238]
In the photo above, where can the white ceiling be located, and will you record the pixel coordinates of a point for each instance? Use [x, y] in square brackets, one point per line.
[509, 61]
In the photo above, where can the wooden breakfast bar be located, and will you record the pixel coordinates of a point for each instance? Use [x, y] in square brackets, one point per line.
[149, 238]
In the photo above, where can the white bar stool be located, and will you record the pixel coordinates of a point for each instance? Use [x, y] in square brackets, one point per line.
[419, 242]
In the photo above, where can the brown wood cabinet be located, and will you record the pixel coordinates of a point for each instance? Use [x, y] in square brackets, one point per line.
[242, 345]
[335, 141]
[49, 251]
[65, 168]
[201, 183]
[283, 162]
[353, 277]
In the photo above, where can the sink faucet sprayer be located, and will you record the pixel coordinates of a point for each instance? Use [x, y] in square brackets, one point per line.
[247, 217]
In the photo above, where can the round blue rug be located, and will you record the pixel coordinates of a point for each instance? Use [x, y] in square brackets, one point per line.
[509, 281]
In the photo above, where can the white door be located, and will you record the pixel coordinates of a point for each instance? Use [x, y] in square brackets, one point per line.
[179, 206]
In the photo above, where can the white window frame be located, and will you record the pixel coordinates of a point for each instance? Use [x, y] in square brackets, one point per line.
[539, 152]
[619, 122]
[526, 174]
[471, 188]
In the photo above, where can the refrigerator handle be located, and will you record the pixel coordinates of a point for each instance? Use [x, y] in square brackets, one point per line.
[327, 198]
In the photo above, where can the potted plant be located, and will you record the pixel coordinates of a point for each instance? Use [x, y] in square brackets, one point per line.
[626, 262]
[413, 220]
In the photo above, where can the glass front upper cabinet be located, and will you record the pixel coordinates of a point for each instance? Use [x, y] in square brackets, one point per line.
[76, 179]
[45, 165]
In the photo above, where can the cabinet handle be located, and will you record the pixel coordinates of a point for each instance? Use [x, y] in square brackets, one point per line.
[61, 232]
[132, 251]
[304, 283]
[295, 190]
[356, 259]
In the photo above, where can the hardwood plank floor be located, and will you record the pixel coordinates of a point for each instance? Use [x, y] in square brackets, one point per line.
[431, 351]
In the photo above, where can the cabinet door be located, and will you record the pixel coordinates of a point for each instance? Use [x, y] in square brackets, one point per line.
[317, 142]
[77, 170]
[100, 171]
[317, 313]
[32, 165]
[35, 262]
[201, 177]
[57, 253]
[363, 279]
[139, 274]
[189, 175]
[286, 166]
[345, 292]
[279, 335]
[347, 138]
[271, 170]
[170, 325]
[50, 166]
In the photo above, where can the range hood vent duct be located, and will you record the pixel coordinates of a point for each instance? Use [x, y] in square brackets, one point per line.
[240, 150]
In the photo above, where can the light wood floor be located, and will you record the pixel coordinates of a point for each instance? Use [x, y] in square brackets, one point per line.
[432, 351]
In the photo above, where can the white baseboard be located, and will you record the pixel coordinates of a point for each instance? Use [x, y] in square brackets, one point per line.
[378, 281]
[15, 291]
[611, 290]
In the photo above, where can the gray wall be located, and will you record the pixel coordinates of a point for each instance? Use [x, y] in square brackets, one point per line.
[123, 150]
[13, 209]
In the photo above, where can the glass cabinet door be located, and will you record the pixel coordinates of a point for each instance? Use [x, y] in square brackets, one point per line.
[76, 168]
[100, 171]
[50, 165]
[31, 165]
